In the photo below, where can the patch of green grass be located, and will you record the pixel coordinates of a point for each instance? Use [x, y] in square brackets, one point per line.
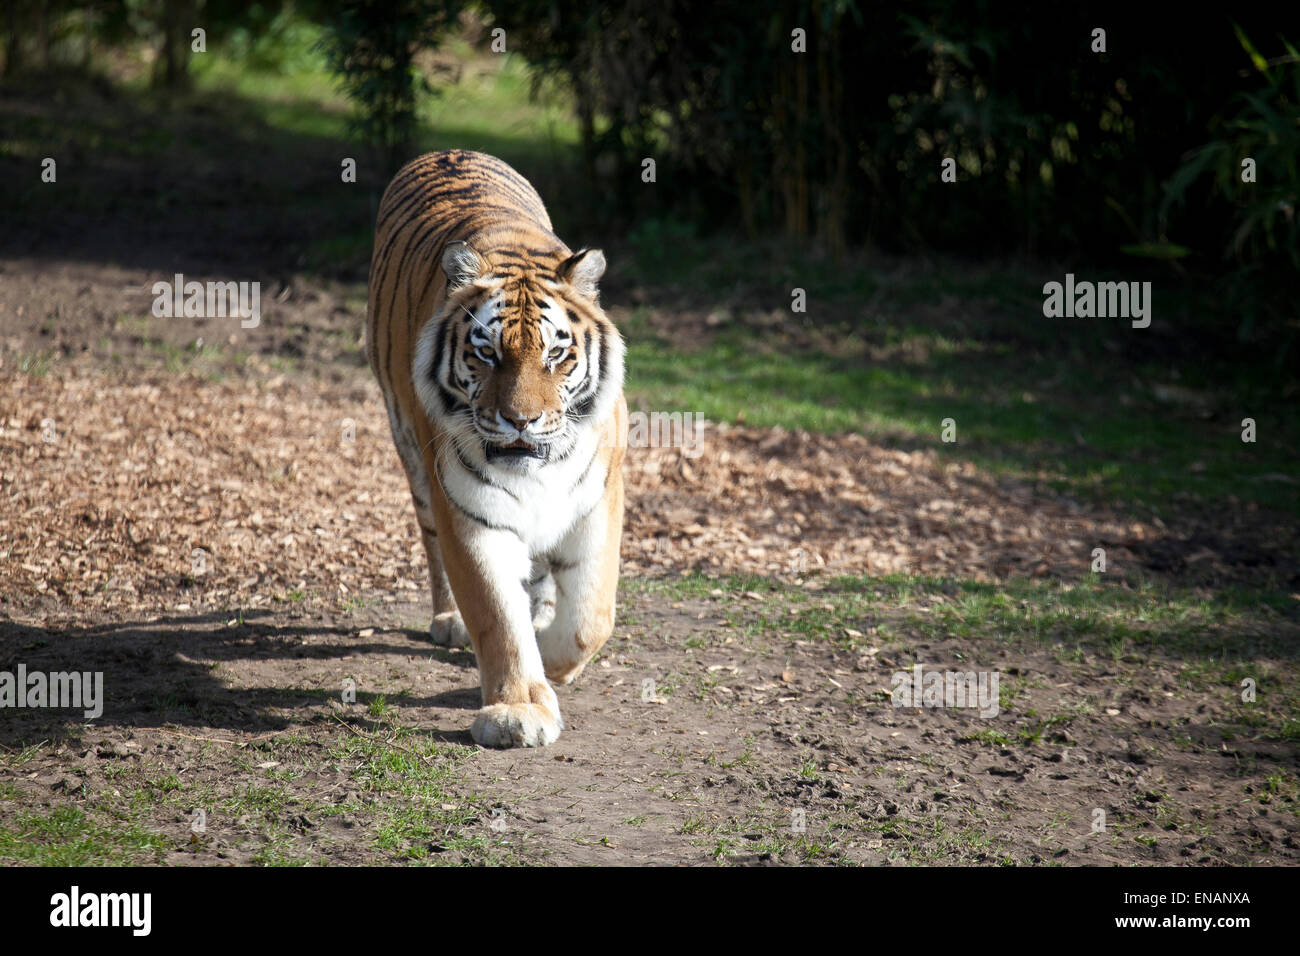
[67, 836]
[1043, 728]
[305, 101]
[495, 106]
[409, 780]
[1279, 790]
[1079, 408]
[278, 852]
[33, 363]
[165, 784]
[1093, 612]
[748, 835]
[746, 759]
[1215, 641]
[935, 841]
[989, 735]
[695, 823]
[1108, 617]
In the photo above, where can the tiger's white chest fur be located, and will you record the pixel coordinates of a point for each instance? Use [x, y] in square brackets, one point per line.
[540, 506]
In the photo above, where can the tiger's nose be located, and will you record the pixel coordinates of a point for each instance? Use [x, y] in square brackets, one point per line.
[520, 421]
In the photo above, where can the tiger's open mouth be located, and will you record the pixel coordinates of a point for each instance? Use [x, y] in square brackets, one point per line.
[516, 449]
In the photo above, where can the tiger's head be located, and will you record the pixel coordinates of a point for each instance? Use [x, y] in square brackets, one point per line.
[521, 361]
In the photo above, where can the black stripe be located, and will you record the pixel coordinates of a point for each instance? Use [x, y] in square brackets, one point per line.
[509, 181]
[400, 212]
[414, 248]
[485, 479]
[471, 515]
[427, 189]
[399, 286]
[401, 207]
[450, 403]
[439, 349]
[585, 471]
[525, 203]
[414, 171]
[590, 389]
[604, 357]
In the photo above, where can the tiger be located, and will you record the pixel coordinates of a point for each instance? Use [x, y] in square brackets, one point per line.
[503, 381]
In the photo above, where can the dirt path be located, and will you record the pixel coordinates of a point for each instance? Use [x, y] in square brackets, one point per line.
[751, 749]
[231, 546]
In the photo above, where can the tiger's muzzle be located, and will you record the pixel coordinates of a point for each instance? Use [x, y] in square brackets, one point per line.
[515, 450]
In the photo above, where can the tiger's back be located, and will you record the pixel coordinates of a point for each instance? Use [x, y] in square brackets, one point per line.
[502, 379]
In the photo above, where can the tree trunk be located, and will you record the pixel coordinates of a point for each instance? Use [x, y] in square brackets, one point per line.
[14, 43]
[835, 193]
[172, 69]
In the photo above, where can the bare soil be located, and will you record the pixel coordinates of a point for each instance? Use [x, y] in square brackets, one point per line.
[211, 533]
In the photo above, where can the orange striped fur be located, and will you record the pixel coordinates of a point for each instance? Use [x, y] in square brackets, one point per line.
[503, 380]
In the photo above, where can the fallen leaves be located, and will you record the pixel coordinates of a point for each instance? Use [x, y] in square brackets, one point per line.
[178, 492]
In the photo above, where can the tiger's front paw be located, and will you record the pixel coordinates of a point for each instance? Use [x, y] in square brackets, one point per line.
[448, 630]
[516, 725]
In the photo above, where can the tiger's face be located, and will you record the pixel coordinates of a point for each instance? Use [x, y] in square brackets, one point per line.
[523, 357]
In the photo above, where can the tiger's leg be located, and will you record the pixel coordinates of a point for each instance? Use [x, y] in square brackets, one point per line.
[447, 628]
[489, 569]
[585, 566]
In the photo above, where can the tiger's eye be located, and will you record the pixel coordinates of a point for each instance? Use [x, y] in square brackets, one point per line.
[558, 353]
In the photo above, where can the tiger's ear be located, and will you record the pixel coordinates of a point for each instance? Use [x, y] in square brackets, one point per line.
[461, 265]
[583, 270]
